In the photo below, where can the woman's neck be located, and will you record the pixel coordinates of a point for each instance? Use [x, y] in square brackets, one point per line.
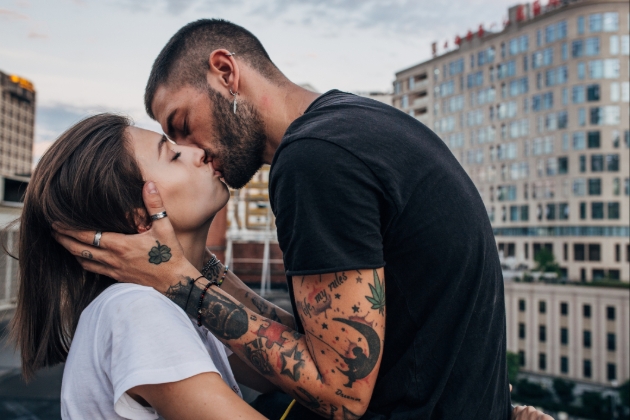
[194, 245]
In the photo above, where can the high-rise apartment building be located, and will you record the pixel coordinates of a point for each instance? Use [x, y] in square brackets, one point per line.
[17, 121]
[538, 115]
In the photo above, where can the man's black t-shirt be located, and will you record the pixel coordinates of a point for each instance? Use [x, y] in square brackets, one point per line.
[357, 184]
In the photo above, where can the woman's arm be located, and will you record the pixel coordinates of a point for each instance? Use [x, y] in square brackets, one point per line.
[239, 290]
[246, 375]
[201, 397]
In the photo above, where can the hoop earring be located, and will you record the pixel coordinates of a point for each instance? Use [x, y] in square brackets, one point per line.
[234, 94]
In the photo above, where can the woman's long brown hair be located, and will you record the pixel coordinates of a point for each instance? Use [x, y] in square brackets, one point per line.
[87, 180]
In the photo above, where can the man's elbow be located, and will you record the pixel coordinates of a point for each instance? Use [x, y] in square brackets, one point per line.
[348, 406]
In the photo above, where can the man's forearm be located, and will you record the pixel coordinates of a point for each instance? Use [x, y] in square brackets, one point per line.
[275, 350]
[234, 287]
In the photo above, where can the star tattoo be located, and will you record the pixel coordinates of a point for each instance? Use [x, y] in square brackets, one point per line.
[291, 363]
[337, 296]
[359, 279]
[325, 326]
[355, 309]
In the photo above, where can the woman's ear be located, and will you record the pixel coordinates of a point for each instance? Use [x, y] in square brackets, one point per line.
[141, 220]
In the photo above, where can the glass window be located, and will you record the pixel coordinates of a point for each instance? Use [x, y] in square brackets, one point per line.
[611, 372]
[550, 33]
[625, 44]
[578, 95]
[594, 253]
[592, 46]
[538, 37]
[564, 336]
[594, 186]
[593, 139]
[542, 307]
[542, 333]
[521, 330]
[587, 342]
[611, 344]
[611, 68]
[580, 25]
[612, 163]
[592, 93]
[521, 305]
[565, 51]
[587, 368]
[610, 313]
[595, 22]
[582, 211]
[564, 364]
[577, 48]
[595, 69]
[542, 361]
[564, 307]
[614, 44]
[613, 211]
[581, 70]
[563, 211]
[597, 163]
[521, 358]
[611, 22]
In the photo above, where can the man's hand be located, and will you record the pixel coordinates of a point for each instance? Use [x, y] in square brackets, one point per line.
[526, 412]
[152, 258]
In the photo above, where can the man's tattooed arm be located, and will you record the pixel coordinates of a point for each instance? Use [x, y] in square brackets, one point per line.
[332, 368]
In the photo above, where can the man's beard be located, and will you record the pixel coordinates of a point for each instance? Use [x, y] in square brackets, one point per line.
[242, 138]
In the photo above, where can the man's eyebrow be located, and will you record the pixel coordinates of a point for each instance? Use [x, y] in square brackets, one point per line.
[161, 144]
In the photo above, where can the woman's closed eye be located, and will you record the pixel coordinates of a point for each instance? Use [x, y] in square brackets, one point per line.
[176, 156]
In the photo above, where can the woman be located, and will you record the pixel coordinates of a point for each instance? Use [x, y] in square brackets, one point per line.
[133, 350]
[134, 353]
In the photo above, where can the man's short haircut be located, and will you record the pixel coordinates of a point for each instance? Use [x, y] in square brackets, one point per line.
[184, 59]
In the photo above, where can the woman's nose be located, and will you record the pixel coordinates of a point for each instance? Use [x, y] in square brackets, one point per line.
[199, 156]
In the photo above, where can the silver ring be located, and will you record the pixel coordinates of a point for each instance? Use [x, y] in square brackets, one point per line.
[158, 216]
[97, 239]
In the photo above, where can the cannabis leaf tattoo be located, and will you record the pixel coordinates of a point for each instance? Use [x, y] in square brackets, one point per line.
[159, 254]
[378, 294]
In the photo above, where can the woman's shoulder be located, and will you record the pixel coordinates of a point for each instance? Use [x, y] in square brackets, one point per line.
[133, 301]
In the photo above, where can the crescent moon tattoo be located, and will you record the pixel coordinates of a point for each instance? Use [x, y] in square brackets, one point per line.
[361, 365]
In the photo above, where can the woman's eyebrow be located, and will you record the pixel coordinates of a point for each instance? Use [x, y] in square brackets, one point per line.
[161, 144]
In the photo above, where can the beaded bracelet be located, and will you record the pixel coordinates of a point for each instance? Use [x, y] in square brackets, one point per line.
[225, 270]
[203, 295]
[192, 285]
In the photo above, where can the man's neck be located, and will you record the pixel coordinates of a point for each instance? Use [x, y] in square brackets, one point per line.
[279, 105]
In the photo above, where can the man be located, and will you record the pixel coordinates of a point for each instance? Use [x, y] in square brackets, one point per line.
[391, 261]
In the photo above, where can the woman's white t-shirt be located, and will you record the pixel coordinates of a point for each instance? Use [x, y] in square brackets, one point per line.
[132, 335]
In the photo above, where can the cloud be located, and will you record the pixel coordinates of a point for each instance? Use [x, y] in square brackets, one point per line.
[11, 15]
[37, 35]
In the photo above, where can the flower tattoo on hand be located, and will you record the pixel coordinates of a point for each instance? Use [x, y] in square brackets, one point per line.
[159, 254]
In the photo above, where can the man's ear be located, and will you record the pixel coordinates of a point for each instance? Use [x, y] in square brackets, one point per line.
[141, 220]
[224, 68]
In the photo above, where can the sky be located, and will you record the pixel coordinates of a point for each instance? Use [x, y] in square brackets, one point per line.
[87, 56]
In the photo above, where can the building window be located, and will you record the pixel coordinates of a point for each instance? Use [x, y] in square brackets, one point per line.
[521, 358]
[564, 336]
[611, 344]
[542, 333]
[542, 307]
[614, 274]
[586, 311]
[564, 364]
[594, 186]
[613, 211]
[542, 361]
[521, 331]
[586, 341]
[580, 25]
[610, 313]
[587, 368]
[611, 371]
[594, 253]
[595, 22]
[564, 307]
[526, 251]
[597, 163]
[593, 139]
[565, 252]
[578, 252]
[521, 305]
[597, 210]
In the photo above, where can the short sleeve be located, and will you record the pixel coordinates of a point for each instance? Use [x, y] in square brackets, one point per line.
[152, 341]
[327, 204]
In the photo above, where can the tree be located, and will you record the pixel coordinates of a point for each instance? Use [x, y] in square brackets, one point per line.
[512, 367]
[594, 405]
[564, 390]
[546, 261]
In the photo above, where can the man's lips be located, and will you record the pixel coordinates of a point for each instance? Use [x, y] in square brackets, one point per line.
[211, 161]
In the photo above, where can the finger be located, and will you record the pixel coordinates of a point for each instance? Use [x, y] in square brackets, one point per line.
[85, 236]
[153, 203]
[510, 387]
[95, 267]
[79, 249]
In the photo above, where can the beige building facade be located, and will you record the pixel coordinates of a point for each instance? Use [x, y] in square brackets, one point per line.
[17, 123]
[577, 332]
[538, 115]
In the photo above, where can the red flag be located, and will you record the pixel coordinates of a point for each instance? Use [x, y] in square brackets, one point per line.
[536, 7]
[469, 35]
[480, 31]
[458, 40]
